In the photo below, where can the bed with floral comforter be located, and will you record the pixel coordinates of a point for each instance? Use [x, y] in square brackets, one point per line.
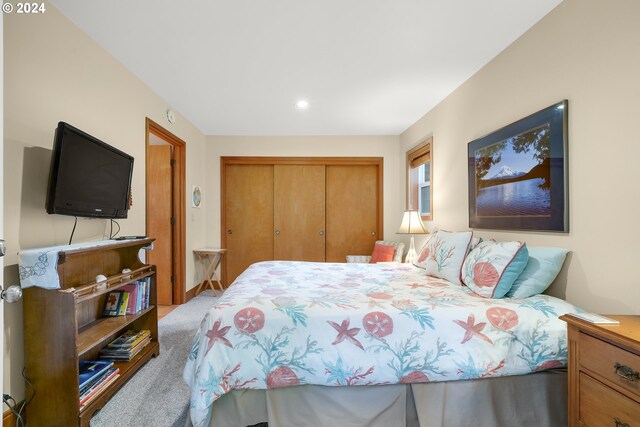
[286, 323]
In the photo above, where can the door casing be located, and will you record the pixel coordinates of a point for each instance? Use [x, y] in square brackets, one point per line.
[1, 199]
[179, 204]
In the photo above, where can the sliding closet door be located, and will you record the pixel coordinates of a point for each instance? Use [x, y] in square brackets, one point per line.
[299, 212]
[352, 211]
[249, 217]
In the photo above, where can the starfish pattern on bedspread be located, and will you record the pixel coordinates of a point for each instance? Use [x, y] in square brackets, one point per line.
[287, 323]
[344, 332]
[215, 334]
[471, 328]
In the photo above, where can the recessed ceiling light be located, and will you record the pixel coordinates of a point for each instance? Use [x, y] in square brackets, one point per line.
[302, 104]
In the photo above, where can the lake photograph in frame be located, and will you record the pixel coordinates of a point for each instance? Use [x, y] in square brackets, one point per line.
[513, 176]
[517, 175]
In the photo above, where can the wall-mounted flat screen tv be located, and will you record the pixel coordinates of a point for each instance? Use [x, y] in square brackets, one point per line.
[88, 177]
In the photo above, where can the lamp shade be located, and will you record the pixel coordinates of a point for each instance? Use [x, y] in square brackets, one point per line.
[412, 224]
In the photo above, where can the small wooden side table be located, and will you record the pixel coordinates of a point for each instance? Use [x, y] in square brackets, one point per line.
[209, 261]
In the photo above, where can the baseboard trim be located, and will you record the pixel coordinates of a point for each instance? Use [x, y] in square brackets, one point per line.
[10, 420]
[191, 293]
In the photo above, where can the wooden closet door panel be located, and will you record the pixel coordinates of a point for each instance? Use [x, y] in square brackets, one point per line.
[248, 216]
[352, 211]
[299, 212]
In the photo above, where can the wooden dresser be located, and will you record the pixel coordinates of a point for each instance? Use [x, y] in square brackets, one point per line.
[604, 372]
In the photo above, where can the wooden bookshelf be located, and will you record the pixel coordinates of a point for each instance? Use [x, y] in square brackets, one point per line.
[63, 326]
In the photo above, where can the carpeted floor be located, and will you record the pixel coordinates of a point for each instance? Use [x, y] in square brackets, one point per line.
[157, 396]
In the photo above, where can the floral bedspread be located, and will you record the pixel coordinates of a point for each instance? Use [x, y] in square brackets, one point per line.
[287, 323]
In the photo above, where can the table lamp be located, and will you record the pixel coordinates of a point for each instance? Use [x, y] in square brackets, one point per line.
[412, 224]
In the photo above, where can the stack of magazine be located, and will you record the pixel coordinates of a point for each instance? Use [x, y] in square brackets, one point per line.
[126, 345]
[95, 377]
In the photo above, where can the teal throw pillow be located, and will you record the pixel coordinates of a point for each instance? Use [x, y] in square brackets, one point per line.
[541, 270]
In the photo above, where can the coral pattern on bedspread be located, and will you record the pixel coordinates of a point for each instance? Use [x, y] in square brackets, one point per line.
[286, 323]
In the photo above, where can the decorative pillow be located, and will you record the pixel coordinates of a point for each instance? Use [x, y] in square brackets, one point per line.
[474, 242]
[541, 270]
[492, 267]
[442, 256]
[382, 253]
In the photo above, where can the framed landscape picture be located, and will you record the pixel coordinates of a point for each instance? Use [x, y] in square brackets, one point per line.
[518, 174]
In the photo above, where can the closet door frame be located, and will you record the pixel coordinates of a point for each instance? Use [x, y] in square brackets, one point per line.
[327, 161]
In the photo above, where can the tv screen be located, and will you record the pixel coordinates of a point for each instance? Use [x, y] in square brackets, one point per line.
[88, 178]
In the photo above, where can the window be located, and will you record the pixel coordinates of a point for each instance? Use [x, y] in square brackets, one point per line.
[419, 179]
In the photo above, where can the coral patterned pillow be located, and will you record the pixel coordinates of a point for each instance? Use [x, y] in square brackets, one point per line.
[491, 268]
[475, 242]
[382, 253]
[442, 256]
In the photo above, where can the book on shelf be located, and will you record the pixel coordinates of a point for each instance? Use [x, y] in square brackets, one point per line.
[126, 346]
[91, 394]
[133, 306]
[122, 308]
[91, 371]
[112, 303]
[131, 298]
[146, 287]
[596, 318]
[129, 339]
[97, 383]
[138, 295]
[123, 354]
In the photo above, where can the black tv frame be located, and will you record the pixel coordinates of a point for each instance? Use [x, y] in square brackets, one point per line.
[55, 168]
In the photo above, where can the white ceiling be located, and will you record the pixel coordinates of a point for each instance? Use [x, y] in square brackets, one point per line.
[367, 67]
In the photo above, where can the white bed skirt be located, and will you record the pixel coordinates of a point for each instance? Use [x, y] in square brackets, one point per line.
[538, 399]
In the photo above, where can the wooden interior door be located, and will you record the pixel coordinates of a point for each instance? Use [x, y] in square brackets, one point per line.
[248, 217]
[299, 196]
[160, 211]
[352, 210]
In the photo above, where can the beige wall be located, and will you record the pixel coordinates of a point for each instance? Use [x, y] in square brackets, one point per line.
[302, 146]
[54, 72]
[587, 52]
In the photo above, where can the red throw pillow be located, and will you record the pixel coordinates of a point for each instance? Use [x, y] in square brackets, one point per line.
[382, 253]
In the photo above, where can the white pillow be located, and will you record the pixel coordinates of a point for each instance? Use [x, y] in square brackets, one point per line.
[442, 256]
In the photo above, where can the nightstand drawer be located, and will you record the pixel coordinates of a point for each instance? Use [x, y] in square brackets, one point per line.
[619, 366]
[601, 406]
